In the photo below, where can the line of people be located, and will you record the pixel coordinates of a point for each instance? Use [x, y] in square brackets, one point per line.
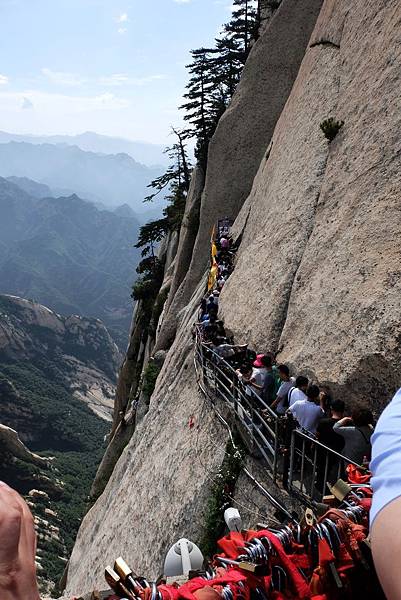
[310, 405]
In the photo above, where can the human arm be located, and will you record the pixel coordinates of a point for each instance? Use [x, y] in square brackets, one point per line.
[292, 410]
[386, 548]
[17, 548]
[344, 422]
[275, 402]
[342, 427]
[385, 515]
[282, 393]
[255, 385]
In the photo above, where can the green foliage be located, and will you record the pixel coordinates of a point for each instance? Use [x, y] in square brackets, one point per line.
[220, 497]
[61, 422]
[61, 426]
[215, 72]
[243, 23]
[147, 286]
[151, 233]
[331, 127]
[149, 378]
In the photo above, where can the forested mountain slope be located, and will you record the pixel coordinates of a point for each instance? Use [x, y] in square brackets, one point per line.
[68, 255]
[57, 383]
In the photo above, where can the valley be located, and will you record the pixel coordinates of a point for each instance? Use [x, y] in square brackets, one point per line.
[57, 383]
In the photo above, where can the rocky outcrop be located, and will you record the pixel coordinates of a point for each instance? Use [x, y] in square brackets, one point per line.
[86, 357]
[320, 248]
[244, 131]
[11, 443]
[131, 404]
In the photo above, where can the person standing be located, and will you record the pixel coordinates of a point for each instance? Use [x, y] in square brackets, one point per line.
[281, 403]
[325, 432]
[298, 391]
[356, 431]
[307, 412]
[326, 462]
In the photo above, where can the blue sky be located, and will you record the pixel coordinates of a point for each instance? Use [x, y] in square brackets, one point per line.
[116, 67]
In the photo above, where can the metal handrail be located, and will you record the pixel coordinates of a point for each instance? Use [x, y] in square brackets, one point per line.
[307, 465]
[313, 465]
[258, 420]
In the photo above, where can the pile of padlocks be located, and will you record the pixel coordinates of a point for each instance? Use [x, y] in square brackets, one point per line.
[321, 558]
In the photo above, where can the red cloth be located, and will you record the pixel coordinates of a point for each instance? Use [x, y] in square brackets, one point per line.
[169, 592]
[234, 543]
[358, 476]
[187, 590]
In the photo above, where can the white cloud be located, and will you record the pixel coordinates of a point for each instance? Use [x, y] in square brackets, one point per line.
[62, 104]
[27, 104]
[4, 80]
[122, 30]
[123, 18]
[114, 113]
[63, 78]
[119, 79]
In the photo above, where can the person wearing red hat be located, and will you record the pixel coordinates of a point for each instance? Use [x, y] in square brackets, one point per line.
[263, 377]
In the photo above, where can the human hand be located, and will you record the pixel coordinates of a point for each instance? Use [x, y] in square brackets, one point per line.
[17, 548]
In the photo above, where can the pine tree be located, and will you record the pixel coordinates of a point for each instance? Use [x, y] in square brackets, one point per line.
[200, 100]
[228, 64]
[243, 25]
[179, 169]
[177, 180]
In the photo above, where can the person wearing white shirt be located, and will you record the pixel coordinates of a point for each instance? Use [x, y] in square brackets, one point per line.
[298, 392]
[307, 412]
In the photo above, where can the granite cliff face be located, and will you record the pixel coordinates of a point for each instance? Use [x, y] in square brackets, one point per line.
[321, 226]
[317, 274]
[243, 135]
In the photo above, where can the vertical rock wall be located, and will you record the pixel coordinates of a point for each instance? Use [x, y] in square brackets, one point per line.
[159, 488]
[320, 250]
[245, 129]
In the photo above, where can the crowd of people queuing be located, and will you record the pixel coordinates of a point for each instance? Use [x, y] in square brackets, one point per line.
[290, 395]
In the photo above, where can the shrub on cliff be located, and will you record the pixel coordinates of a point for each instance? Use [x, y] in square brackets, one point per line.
[149, 379]
[331, 127]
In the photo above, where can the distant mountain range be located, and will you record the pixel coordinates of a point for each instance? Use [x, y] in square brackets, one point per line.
[69, 255]
[143, 152]
[109, 179]
[33, 188]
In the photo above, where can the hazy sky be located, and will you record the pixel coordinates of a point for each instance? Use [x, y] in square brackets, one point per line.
[116, 67]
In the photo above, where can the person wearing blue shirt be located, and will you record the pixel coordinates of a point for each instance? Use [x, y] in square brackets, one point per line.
[385, 515]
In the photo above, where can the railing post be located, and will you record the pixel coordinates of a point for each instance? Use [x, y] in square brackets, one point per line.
[287, 438]
[292, 459]
[276, 449]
